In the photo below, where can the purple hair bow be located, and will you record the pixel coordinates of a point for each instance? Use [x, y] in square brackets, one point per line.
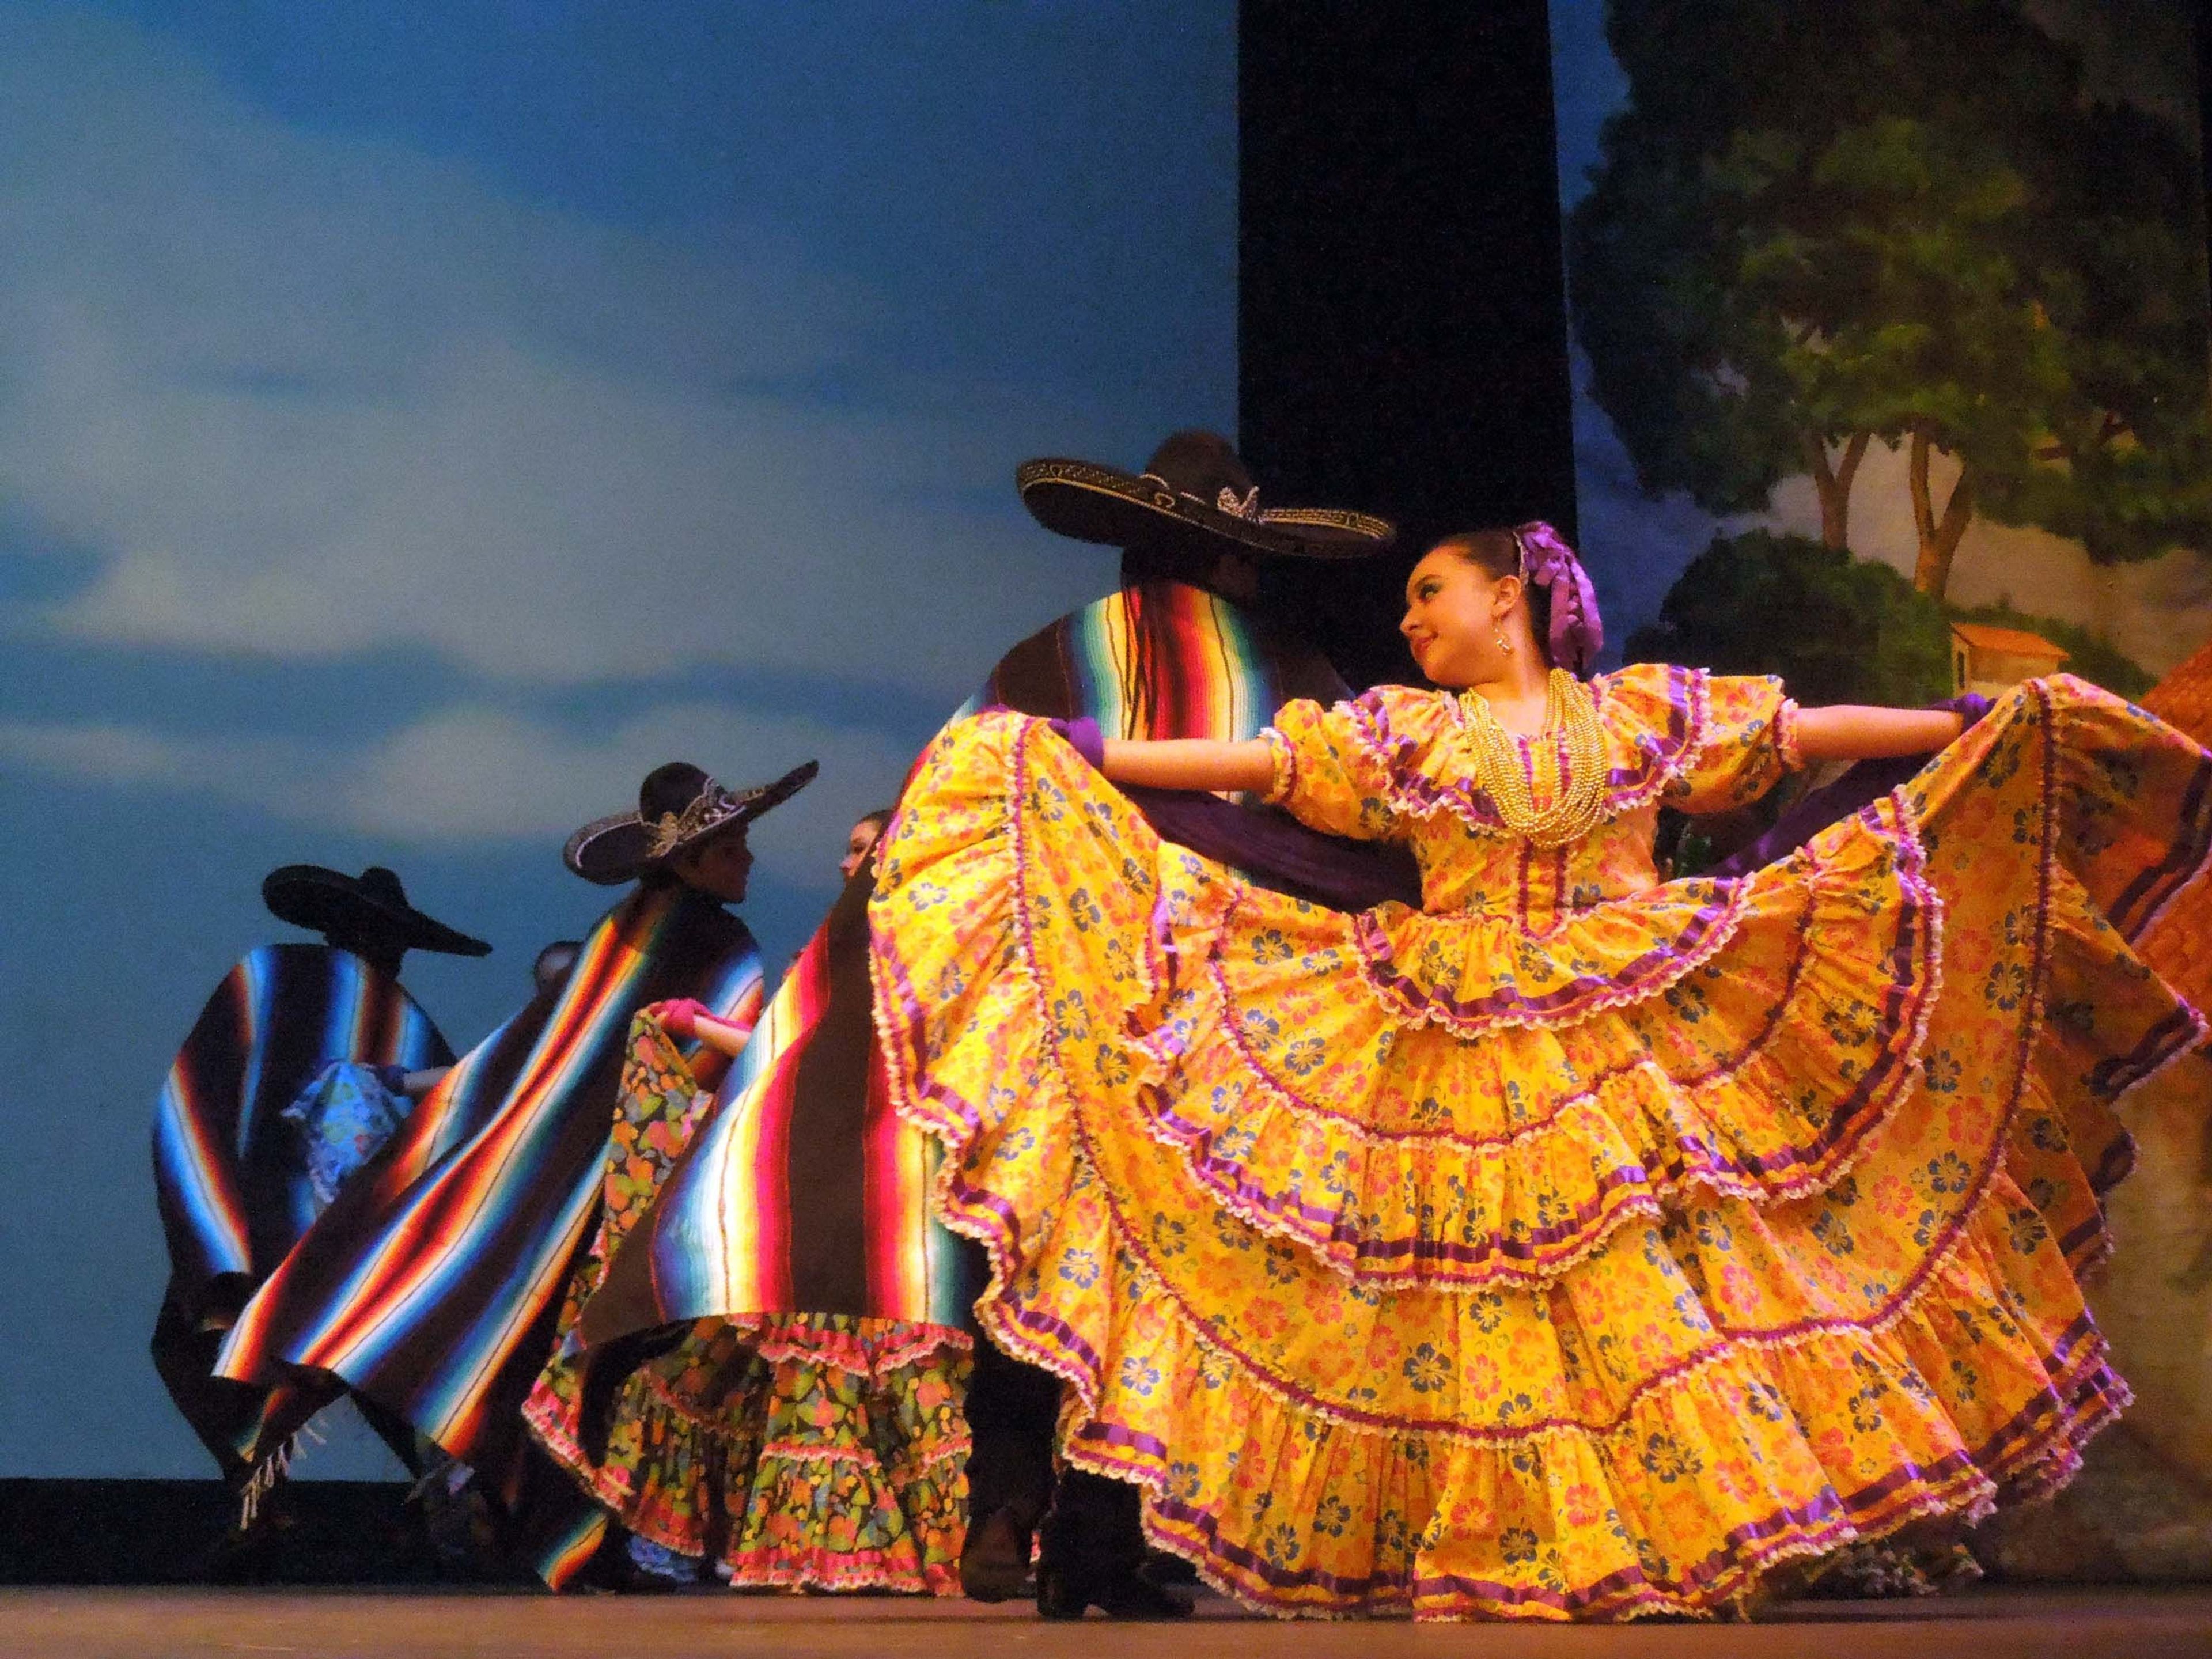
[1577, 631]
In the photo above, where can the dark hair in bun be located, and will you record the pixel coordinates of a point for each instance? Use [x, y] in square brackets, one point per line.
[1497, 553]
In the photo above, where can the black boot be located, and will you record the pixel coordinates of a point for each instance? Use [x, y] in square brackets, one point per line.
[1062, 1594]
[994, 1564]
[1091, 1554]
[1011, 1410]
[253, 1552]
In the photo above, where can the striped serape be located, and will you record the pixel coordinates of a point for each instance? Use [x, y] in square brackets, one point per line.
[429, 1287]
[231, 1171]
[804, 1192]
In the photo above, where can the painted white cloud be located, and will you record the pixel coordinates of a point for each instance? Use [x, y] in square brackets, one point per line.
[306, 395]
[477, 773]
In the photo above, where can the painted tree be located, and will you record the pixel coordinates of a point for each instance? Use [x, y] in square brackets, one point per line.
[1817, 228]
[1836, 629]
[2127, 457]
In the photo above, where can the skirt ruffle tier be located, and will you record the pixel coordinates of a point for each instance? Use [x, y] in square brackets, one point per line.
[821, 1451]
[1402, 1281]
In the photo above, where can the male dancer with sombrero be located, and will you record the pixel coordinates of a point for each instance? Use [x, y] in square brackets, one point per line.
[1176, 651]
[431, 1286]
[238, 1179]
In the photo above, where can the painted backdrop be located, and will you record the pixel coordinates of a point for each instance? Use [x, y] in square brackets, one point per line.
[417, 420]
[1891, 339]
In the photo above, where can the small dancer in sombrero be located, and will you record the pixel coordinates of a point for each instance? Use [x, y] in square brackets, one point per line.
[302, 1065]
[1574, 1244]
[686, 1442]
[433, 1286]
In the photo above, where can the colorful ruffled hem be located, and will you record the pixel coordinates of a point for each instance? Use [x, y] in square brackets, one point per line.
[827, 1450]
[2025, 1459]
[1629, 1482]
[821, 1451]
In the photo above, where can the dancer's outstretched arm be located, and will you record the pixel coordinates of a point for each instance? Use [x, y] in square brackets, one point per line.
[1845, 732]
[1853, 731]
[1190, 763]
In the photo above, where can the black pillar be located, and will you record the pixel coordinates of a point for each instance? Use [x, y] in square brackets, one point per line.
[1402, 319]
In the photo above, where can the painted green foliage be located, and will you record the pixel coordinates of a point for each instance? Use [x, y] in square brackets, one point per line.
[1817, 227]
[1836, 629]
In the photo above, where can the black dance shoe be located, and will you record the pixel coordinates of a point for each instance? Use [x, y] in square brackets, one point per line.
[1164, 1568]
[1064, 1591]
[994, 1564]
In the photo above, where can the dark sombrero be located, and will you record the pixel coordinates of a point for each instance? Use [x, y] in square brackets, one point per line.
[678, 808]
[1194, 488]
[372, 903]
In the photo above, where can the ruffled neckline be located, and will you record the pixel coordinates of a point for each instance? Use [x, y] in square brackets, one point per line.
[1654, 715]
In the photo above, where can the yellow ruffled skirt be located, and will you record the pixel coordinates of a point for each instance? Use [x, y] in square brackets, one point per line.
[1409, 1269]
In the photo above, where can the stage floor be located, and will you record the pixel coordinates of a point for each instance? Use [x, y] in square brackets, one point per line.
[125, 1624]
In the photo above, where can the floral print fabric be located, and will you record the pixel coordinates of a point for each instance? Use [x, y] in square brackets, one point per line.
[1579, 1245]
[345, 1114]
[820, 1451]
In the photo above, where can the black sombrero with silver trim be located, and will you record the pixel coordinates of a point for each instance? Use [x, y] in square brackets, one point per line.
[373, 903]
[1194, 488]
[679, 807]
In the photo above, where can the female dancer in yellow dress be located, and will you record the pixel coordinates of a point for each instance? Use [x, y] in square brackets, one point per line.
[1579, 1245]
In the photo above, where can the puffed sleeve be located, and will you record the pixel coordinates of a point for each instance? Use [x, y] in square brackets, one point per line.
[1326, 775]
[1746, 743]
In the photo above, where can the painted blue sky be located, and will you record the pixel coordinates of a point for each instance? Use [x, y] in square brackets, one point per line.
[416, 421]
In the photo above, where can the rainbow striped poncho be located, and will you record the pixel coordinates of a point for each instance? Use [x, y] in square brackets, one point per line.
[429, 1285]
[230, 1173]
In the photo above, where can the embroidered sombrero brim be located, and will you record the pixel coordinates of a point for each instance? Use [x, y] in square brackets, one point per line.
[331, 902]
[611, 851]
[1094, 503]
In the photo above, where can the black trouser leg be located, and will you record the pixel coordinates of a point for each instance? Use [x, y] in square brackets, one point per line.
[219, 1411]
[1096, 1526]
[1093, 1538]
[1013, 1411]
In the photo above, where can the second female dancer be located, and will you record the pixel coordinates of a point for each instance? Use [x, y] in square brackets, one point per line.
[1575, 1244]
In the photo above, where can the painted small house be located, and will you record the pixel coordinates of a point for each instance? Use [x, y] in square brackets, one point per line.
[1990, 659]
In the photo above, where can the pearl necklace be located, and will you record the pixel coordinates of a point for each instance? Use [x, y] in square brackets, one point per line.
[1571, 717]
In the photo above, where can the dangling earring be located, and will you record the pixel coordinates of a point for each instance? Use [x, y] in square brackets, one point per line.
[1504, 644]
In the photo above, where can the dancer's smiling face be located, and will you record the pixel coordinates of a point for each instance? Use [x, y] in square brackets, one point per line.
[1455, 613]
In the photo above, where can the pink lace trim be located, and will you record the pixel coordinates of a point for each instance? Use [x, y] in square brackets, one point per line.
[1786, 747]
